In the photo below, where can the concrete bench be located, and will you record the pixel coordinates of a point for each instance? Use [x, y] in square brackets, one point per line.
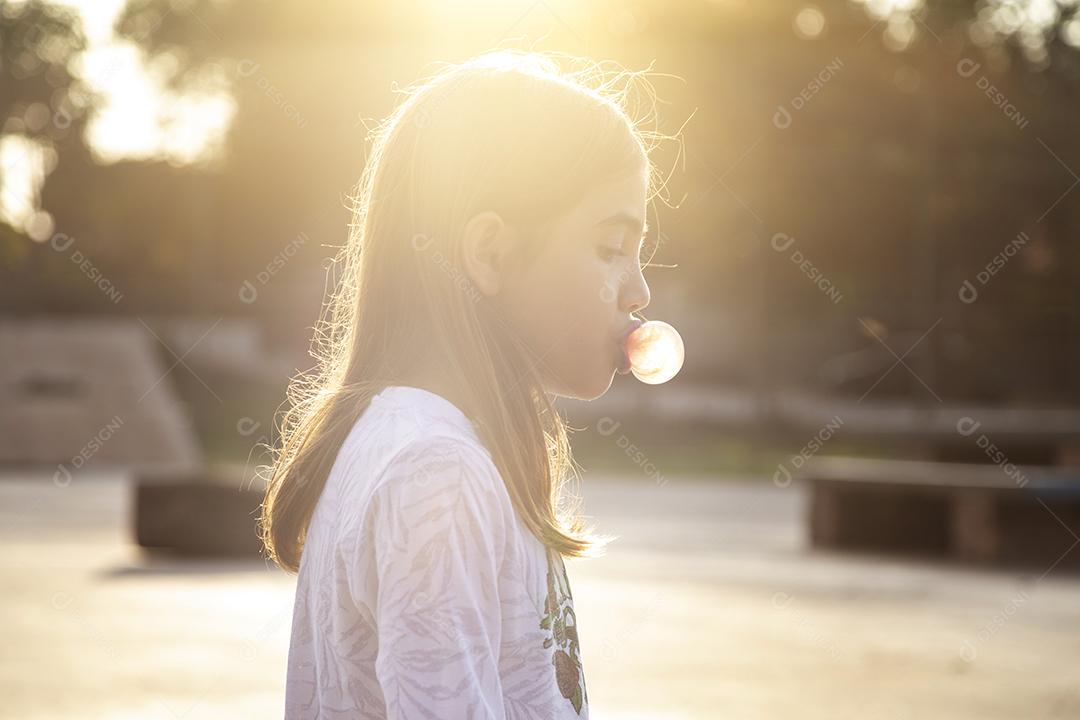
[212, 513]
[1029, 515]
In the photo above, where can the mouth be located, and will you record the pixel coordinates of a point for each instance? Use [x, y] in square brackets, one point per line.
[622, 358]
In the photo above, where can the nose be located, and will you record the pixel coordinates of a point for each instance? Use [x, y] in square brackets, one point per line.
[635, 294]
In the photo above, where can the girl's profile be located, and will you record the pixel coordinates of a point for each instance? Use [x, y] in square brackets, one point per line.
[420, 488]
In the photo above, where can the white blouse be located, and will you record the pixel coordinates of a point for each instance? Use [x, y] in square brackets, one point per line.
[420, 593]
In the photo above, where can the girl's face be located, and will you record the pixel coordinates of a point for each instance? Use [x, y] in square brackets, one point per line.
[573, 302]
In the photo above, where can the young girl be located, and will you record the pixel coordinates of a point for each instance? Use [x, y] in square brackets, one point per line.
[494, 264]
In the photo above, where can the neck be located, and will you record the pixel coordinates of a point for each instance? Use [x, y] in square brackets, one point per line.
[435, 379]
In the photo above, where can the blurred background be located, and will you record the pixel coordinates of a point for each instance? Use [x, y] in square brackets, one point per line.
[859, 498]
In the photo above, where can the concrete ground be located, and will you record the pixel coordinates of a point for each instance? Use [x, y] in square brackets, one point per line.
[708, 606]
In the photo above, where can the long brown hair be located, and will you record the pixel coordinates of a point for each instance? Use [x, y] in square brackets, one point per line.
[524, 134]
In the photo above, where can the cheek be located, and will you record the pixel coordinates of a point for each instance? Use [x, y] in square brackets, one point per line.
[584, 289]
[584, 305]
[565, 302]
[588, 279]
[572, 282]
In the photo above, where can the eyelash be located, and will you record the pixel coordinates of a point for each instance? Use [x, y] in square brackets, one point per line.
[609, 254]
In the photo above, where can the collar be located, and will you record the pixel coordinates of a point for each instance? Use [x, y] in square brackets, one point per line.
[423, 401]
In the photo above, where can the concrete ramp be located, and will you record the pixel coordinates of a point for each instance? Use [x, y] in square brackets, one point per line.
[77, 393]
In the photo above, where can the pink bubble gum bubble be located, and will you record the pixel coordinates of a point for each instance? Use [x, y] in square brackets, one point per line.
[656, 352]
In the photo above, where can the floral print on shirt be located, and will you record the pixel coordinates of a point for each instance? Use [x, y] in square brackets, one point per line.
[561, 622]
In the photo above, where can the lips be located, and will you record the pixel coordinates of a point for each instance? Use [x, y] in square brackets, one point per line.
[624, 359]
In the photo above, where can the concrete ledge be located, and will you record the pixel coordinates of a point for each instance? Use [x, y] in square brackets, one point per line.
[210, 514]
[970, 513]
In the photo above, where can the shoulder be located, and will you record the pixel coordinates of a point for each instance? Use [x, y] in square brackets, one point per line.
[438, 458]
[439, 479]
[440, 497]
[403, 425]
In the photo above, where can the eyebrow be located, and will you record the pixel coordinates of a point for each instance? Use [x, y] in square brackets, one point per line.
[630, 222]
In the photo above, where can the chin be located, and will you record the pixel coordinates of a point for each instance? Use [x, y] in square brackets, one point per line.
[591, 389]
[587, 386]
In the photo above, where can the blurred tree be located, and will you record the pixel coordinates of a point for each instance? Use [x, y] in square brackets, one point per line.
[898, 177]
[41, 105]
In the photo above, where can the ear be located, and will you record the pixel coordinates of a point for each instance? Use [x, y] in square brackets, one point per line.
[486, 245]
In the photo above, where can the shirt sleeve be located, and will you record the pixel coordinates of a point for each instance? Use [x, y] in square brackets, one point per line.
[438, 536]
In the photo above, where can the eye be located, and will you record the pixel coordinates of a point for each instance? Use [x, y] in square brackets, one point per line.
[608, 254]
